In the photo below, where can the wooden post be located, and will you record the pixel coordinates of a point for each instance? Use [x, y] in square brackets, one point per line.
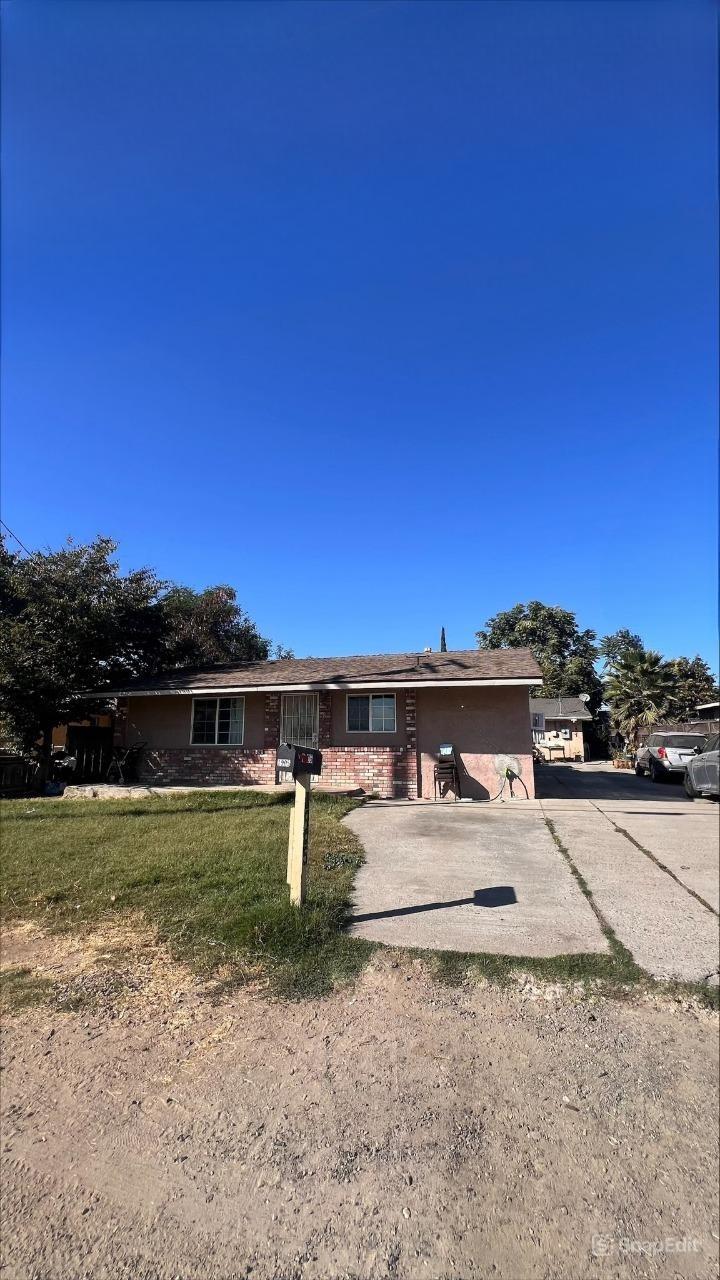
[298, 842]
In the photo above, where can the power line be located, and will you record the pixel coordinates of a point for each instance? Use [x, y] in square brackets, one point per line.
[15, 537]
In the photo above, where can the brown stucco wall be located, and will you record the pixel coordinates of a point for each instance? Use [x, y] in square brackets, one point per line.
[165, 721]
[489, 728]
[338, 722]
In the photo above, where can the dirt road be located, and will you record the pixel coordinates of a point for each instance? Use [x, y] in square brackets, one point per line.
[399, 1129]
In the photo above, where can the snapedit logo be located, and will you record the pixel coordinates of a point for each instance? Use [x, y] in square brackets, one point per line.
[601, 1246]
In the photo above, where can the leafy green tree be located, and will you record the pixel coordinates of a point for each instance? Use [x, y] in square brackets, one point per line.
[69, 623]
[619, 643]
[694, 684]
[640, 690]
[197, 628]
[280, 651]
[566, 655]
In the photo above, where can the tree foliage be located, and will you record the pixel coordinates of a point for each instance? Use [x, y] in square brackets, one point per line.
[565, 654]
[640, 690]
[693, 684]
[197, 628]
[71, 623]
[618, 644]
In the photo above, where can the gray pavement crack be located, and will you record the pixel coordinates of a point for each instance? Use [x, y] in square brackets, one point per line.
[662, 866]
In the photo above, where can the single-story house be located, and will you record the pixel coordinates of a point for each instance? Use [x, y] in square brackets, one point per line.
[379, 720]
[557, 727]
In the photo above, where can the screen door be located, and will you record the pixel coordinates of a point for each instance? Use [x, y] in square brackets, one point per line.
[299, 719]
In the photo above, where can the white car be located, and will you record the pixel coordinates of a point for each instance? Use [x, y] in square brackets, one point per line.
[702, 775]
[665, 754]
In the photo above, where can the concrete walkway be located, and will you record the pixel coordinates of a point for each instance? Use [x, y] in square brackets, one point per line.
[138, 791]
[649, 855]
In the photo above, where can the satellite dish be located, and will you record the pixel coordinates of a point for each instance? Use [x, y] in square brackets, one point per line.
[584, 697]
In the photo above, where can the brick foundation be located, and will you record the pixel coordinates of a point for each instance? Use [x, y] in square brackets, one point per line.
[206, 766]
[389, 772]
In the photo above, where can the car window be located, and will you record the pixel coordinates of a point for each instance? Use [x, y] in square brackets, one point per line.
[652, 740]
[712, 743]
[688, 740]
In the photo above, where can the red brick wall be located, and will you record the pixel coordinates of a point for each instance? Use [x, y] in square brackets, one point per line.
[324, 720]
[272, 720]
[389, 772]
[411, 754]
[206, 766]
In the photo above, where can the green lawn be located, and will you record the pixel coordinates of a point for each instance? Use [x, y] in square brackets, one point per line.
[207, 869]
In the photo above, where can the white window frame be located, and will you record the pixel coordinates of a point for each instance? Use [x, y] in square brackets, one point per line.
[209, 697]
[369, 696]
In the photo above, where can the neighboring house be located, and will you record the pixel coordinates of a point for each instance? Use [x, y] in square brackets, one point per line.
[708, 711]
[378, 721]
[557, 727]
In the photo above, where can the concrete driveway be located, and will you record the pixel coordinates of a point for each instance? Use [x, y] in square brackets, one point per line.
[491, 878]
[468, 878]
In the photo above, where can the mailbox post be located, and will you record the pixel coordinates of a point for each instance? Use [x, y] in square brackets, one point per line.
[302, 762]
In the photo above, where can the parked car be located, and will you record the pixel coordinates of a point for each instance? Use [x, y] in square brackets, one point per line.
[702, 775]
[665, 754]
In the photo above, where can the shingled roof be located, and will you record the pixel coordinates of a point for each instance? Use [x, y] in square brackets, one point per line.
[561, 708]
[464, 666]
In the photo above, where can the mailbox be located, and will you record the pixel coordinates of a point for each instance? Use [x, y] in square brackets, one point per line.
[298, 760]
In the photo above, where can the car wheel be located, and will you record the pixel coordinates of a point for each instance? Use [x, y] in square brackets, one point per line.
[655, 773]
[690, 791]
[639, 771]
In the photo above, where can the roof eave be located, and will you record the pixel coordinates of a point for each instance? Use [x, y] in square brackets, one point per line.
[317, 687]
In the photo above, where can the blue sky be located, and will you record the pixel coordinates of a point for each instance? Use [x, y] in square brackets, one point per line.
[389, 314]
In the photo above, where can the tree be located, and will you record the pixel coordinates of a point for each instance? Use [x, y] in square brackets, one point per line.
[443, 641]
[694, 684]
[640, 691]
[619, 643]
[71, 623]
[565, 654]
[197, 628]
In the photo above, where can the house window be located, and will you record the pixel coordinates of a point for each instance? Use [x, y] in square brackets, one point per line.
[538, 721]
[218, 722]
[371, 713]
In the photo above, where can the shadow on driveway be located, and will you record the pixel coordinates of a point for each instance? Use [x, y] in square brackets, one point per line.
[501, 895]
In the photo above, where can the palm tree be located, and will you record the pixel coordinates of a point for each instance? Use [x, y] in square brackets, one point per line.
[639, 690]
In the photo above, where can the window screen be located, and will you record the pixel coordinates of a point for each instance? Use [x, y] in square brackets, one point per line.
[218, 721]
[382, 713]
[358, 714]
[371, 713]
[204, 716]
